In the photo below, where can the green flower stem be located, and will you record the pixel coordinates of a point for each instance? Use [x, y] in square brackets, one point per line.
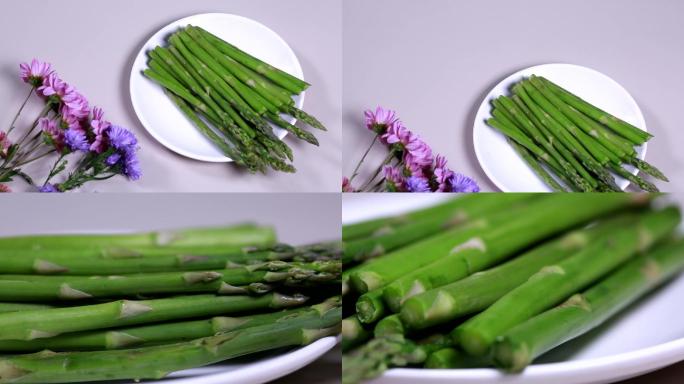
[16, 117]
[387, 160]
[365, 154]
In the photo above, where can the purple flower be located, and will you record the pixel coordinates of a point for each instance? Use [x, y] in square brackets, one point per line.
[396, 134]
[380, 120]
[463, 184]
[417, 184]
[443, 175]
[4, 188]
[35, 72]
[53, 133]
[113, 159]
[99, 126]
[394, 179]
[121, 138]
[5, 143]
[346, 185]
[49, 188]
[52, 85]
[76, 140]
[132, 166]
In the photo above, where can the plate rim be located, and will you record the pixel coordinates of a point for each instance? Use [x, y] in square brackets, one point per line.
[135, 76]
[487, 97]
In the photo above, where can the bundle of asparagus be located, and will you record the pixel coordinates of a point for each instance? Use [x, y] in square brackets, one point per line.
[138, 306]
[231, 97]
[556, 132]
[505, 290]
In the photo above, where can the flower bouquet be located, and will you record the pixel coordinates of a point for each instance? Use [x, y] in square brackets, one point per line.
[409, 166]
[66, 129]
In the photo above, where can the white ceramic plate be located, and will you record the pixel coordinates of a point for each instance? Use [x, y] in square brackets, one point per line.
[647, 336]
[500, 161]
[159, 115]
[254, 372]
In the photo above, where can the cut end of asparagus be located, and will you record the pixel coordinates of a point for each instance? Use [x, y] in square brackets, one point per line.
[511, 356]
[365, 281]
[368, 310]
[472, 341]
[351, 328]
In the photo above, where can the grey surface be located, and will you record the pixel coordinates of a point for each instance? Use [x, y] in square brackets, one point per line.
[297, 218]
[434, 61]
[92, 44]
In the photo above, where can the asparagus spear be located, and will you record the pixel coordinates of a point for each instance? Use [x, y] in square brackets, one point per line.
[42, 323]
[283, 79]
[114, 261]
[390, 325]
[546, 217]
[479, 291]
[154, 334]
[222, 282]
[236, 235]
[582, 312]
[555, 283]
[392, 238]
[16, 307]
[372, 359]
[453, 207]
[156, 362]
[378, 272]
[220, 143]
[536, 166]
[353, 333]
[577, 119]
[370, 307]
[628, 131]
[453, 358]
[564, 138]
[553, 114]
[514, 113]
[636, 180]
[268, 91]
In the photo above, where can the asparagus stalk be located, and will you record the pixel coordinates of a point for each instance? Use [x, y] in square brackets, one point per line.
[353, 333]
[589, 127]
[453, 207]
[583, 312]
[509, 129]
[155, 334]
[453, 358]
[546, 217]
[555, 283]
[220, 143]
[43, 323]
[628, 131]
[112, 261]
[221, 282]
[449, 216]
[643, 166]
[479, 291]
[372, 359]
[236, 235]
[536, 166]
[158, 361]
[564, 138]
[268, 91]
[515, 114]
[283, 79]
[378, 272]
[553, 114]
[390, 325]
[370, 307]
[16, 307]
[636, 180]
